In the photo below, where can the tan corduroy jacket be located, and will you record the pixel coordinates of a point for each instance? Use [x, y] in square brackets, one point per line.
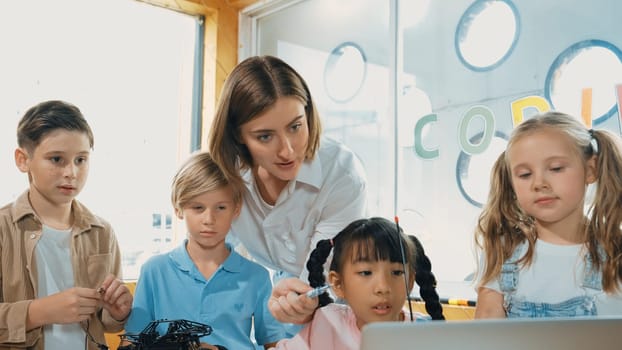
[94, 254]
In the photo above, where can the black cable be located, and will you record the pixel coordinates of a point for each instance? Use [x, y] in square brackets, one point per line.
[399, 238]
[88, 337]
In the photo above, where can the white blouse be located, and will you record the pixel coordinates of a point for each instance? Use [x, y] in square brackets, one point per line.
[328, 194]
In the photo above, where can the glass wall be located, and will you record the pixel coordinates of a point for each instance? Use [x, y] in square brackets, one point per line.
[128, 67]
[452, 78]
[347, 71]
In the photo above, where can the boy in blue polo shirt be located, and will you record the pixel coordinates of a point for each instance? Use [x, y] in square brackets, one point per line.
[204, 279]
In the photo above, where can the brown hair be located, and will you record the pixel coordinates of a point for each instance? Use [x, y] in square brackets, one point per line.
[252, 88]
[46, 117]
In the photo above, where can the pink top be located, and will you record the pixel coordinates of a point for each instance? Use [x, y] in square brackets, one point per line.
[333, 327]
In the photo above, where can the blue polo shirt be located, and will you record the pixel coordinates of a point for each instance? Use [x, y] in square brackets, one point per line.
[171, 287]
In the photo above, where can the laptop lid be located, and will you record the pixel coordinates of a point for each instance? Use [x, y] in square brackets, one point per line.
[602, 333]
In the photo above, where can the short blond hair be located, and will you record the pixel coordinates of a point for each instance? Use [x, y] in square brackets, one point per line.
[199, 174]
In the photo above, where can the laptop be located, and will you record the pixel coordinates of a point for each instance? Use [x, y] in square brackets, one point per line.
[602, 333]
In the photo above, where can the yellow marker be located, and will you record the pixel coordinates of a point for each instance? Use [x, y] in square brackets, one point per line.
[460, 302]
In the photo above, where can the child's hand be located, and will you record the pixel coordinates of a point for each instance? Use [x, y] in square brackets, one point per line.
[69, 306]
[116, 297]
[289, 303]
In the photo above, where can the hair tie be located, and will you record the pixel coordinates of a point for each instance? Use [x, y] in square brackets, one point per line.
[593, 141]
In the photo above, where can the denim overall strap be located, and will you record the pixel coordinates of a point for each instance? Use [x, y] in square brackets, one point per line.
[508, 279]
[592, 278]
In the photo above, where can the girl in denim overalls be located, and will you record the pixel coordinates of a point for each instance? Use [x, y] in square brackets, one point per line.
[543, 254]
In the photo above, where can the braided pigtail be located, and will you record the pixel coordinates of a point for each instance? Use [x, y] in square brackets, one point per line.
[315, 265]
[426, 281]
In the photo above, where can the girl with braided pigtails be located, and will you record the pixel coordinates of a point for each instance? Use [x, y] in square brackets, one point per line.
[367, 272]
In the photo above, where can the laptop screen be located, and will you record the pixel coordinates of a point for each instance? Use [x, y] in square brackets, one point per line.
[602, 333]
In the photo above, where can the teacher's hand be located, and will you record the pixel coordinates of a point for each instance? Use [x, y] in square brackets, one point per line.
[289, 304]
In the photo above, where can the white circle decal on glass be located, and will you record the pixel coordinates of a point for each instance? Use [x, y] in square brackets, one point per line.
[486, 34]
[583, 79]
[344, 72]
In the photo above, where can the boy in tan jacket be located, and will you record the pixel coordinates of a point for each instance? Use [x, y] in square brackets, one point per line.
[60, 264]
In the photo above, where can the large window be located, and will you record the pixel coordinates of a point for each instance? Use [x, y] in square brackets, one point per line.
[427, 92]
[128, 66]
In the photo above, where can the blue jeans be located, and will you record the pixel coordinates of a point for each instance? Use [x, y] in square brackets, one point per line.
[577, 306]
